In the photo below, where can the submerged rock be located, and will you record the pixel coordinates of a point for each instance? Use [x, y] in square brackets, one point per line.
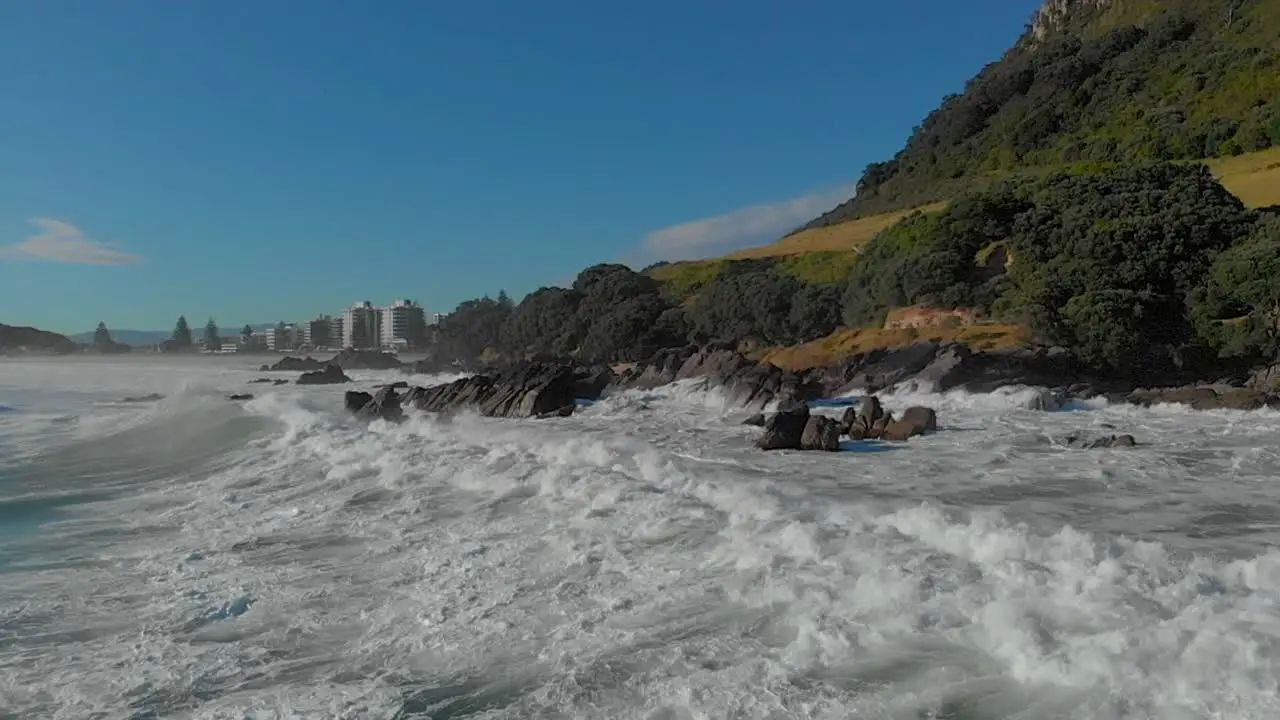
[1108, 441]
[144, 398]
[328, 375]
[240, 396]
[757, 420]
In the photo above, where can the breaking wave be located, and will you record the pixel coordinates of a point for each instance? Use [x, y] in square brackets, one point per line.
[193, 557]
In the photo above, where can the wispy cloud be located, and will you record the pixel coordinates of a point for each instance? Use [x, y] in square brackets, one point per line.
[750, 225]
[60, 241]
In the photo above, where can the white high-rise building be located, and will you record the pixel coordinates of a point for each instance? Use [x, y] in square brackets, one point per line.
[403, 322]
[361, 326]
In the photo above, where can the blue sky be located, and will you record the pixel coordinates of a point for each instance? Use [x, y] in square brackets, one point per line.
[255, 160]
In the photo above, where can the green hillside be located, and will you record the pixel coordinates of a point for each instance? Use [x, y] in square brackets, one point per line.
[1093, 82]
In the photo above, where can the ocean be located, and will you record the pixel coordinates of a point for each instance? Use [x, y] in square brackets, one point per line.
[194, 557]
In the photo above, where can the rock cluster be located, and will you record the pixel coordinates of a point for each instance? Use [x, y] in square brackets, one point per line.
[793, 427]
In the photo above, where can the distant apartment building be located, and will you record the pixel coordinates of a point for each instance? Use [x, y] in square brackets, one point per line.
[282, 337]
[322, 332]
[436, 318]
[362, 326]
[402, 325]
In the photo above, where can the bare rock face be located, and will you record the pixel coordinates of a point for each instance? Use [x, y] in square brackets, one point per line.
[1054, 15]
[820, 433]
[785, 429]
[529, 390]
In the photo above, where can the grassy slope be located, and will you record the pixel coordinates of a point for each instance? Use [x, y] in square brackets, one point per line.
[1253, 177]
[829, 350]
[826, 254]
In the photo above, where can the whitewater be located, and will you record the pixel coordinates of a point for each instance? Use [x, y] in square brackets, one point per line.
[194, 557]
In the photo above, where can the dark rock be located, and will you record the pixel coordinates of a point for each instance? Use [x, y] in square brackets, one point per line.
[1108, 441]
[527, 390]
[240, 396]
[1205, 397]
[858, 423]
[820, 433]
[352, 359]
[915, 421]
[784, 430]
[355, 400]
[293, 364]
[399, 385]
[384, 405]
[589, 383]
[328, 375]
[261, 381]
[279, 381]
[563, 412]
[144, 398]
[757, 420]
[1266, 380]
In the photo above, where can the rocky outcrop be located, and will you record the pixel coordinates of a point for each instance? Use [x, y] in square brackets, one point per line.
[382, 405]
[293, 364]
[785, 429]
[744, 383]
[352, 359]
[1266, 379]
[530, 390]
[1205, 397]
[328, 375]
[794, 427]
[938, 367]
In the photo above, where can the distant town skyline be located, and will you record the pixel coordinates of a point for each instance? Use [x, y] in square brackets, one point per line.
[393, 314]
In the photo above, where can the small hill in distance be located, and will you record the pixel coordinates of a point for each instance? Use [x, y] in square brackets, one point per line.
[23, 340]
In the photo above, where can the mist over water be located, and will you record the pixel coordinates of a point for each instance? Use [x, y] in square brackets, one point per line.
[200, 558]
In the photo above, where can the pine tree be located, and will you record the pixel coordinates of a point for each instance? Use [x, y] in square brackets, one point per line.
[212, 341]
[102, 338]
[247, 331]
[503, 299]
[182, 333]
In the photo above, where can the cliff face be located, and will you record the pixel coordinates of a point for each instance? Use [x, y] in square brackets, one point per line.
[1092, 82]
[1056, 15]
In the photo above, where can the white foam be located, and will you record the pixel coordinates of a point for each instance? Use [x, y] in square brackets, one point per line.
[641, 559]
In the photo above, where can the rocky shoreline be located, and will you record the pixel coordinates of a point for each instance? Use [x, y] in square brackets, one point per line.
[553, 387]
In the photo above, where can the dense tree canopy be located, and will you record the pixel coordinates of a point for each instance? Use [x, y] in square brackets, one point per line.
[1192, 79]
[1127, 266]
